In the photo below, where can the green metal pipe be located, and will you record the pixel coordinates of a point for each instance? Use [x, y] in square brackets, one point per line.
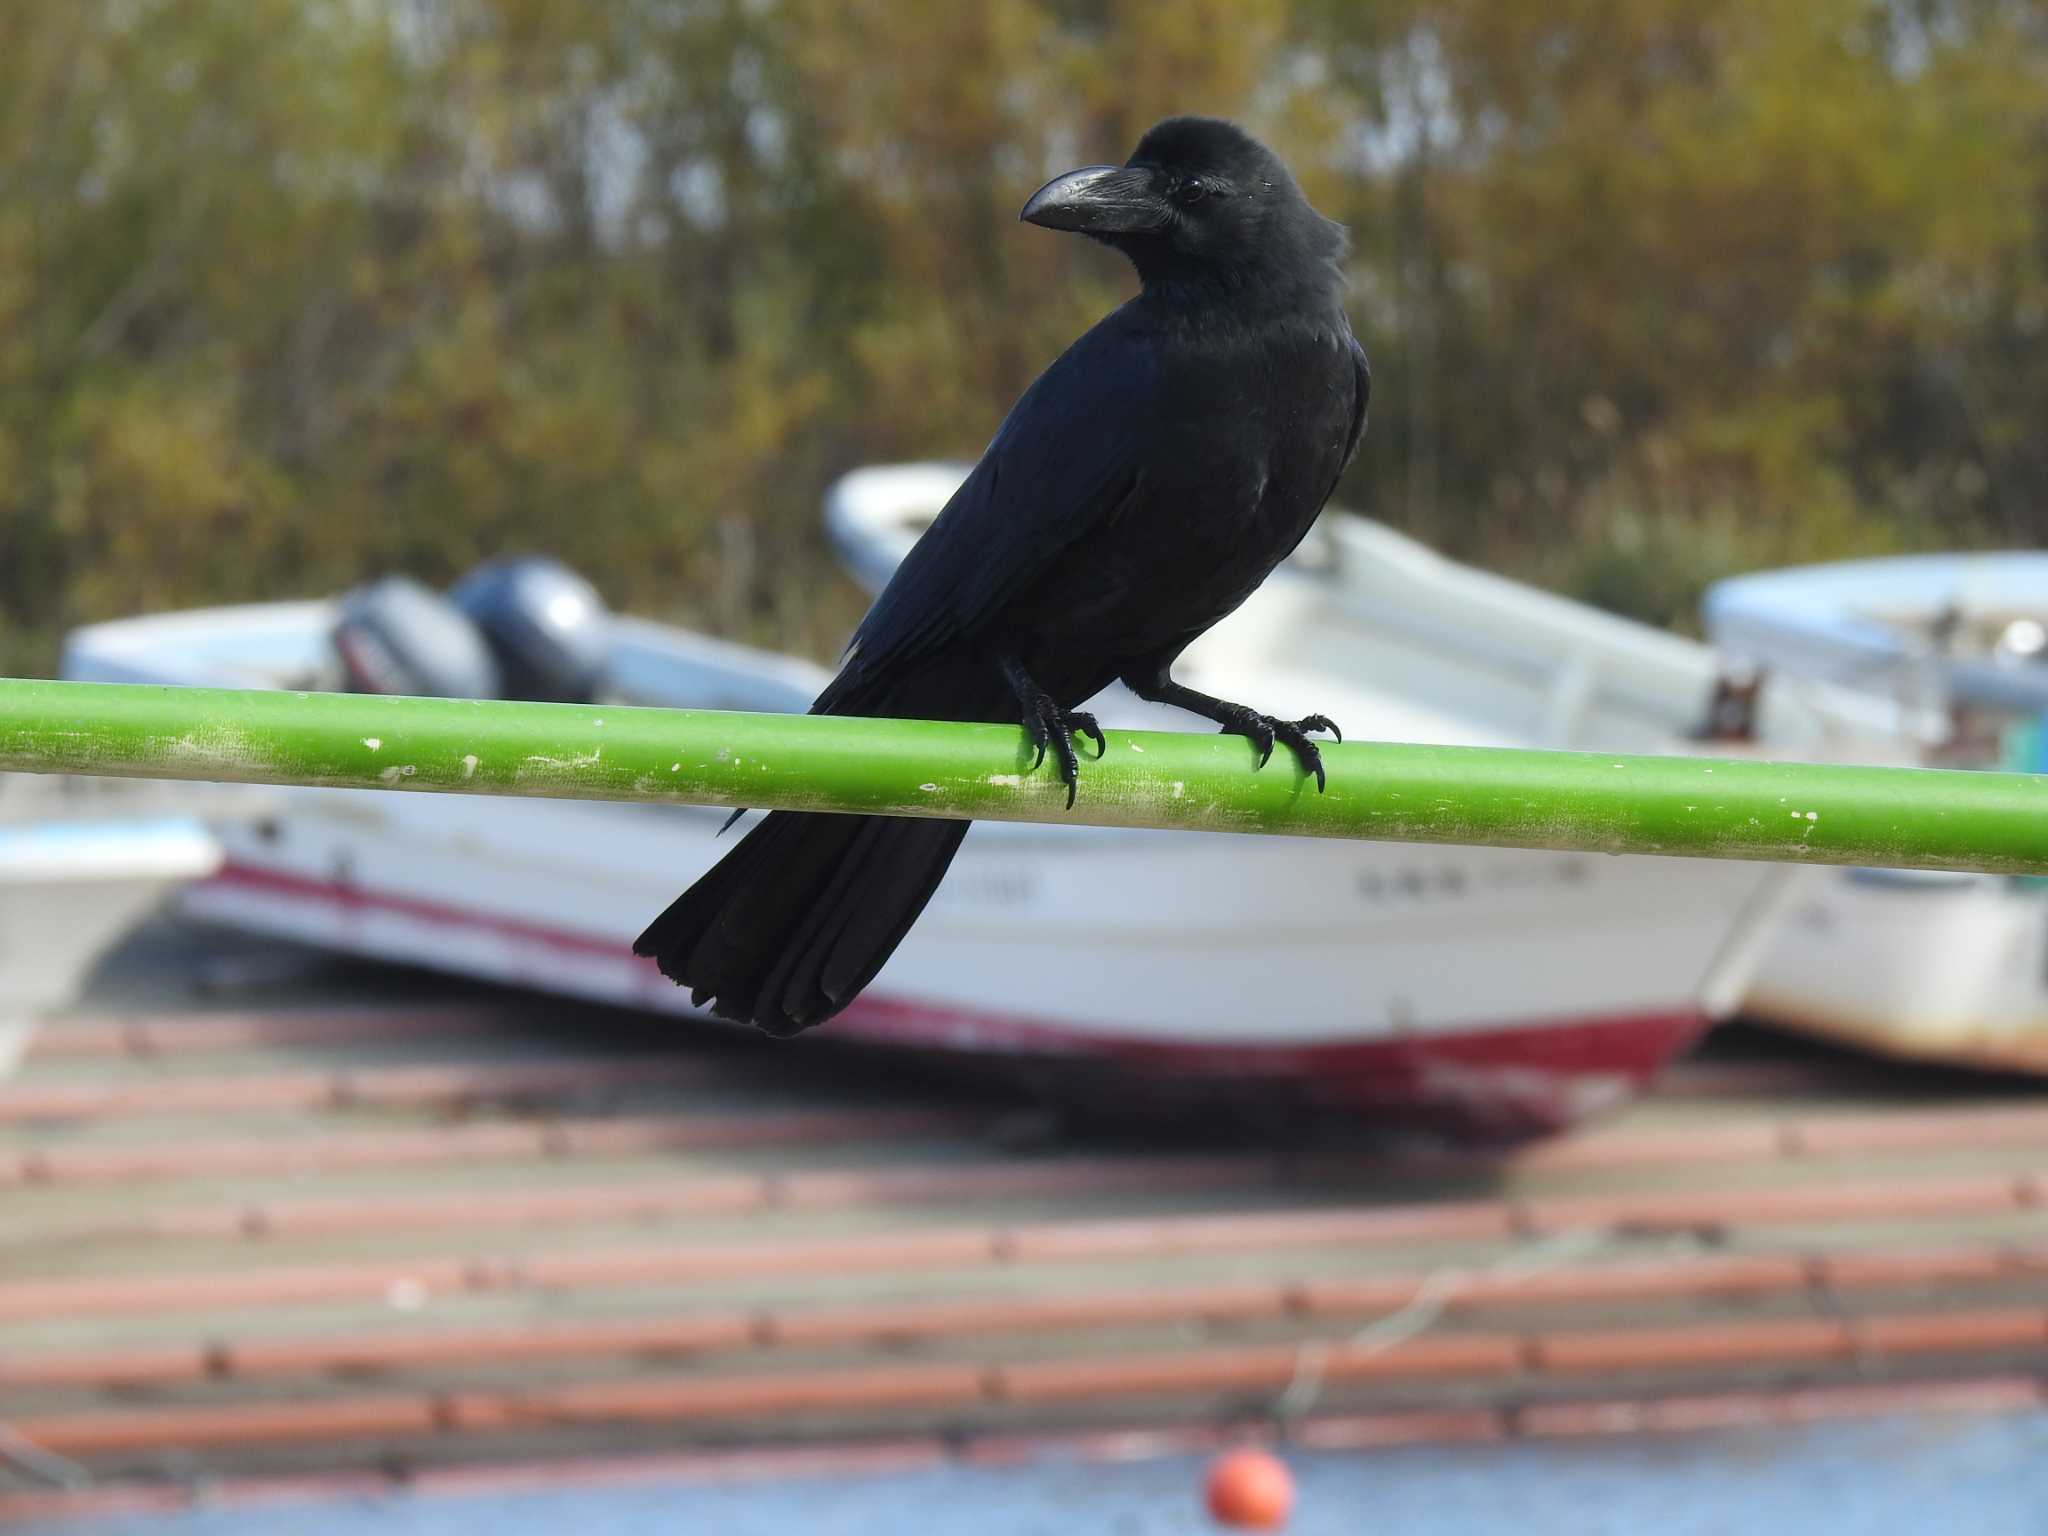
[1710, 807]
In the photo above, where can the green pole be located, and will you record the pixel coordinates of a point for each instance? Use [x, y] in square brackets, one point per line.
[1706, 807]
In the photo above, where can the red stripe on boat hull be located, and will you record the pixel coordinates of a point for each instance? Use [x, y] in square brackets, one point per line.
[1523, 1078]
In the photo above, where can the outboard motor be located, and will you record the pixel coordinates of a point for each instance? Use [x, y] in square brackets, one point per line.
[396, 636]
[1732, 707]
[547, 626]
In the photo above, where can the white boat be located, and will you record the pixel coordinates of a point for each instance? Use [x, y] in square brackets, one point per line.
[1500, 989]
[1949, 633]
[81, 862]
[1939, 966]
[1428, 644]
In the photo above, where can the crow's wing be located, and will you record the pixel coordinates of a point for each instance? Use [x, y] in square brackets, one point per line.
[1361, 394]
[1361, 378]
[1067, 458]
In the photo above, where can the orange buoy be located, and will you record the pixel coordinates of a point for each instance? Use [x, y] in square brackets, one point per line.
[1251, 1488]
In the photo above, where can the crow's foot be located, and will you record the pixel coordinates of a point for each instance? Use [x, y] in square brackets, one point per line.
[1264, 730]
[1049, 726]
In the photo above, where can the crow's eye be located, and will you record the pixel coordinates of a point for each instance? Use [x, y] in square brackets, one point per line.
[1193, 190]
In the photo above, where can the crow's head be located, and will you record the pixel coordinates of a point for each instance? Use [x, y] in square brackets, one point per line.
[1198, 197]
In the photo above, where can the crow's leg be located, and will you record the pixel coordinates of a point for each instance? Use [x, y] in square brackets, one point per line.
[1156, 687]
[1050, 726]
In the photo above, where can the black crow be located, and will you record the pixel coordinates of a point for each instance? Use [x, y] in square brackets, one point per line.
[1136, 493]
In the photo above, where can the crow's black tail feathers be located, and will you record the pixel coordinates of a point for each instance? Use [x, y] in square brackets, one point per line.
[786, 929]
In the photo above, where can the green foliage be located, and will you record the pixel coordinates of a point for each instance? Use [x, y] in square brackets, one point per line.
[293, 291]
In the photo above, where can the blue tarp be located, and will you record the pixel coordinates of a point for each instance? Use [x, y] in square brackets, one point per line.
[1905, 1477]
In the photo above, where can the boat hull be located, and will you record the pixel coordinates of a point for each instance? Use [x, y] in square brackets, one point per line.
[1350, 975]
[68, 894]
[1937, 967]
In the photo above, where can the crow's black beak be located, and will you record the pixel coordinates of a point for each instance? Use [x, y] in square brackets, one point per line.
[1099, 200]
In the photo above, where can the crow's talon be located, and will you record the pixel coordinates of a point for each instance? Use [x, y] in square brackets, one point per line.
[1264, 731]
[1254, 727]
[1050, 727]
[1305, 751]
[1080, 724]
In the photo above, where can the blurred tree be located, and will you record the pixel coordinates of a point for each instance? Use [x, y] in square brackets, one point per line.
[1696, 283]
[292, 291]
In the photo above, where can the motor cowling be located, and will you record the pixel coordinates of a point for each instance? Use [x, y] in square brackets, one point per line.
[546, 625]
[395, 636]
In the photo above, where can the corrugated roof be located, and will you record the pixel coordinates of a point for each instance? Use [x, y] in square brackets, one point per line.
[360, 1226]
